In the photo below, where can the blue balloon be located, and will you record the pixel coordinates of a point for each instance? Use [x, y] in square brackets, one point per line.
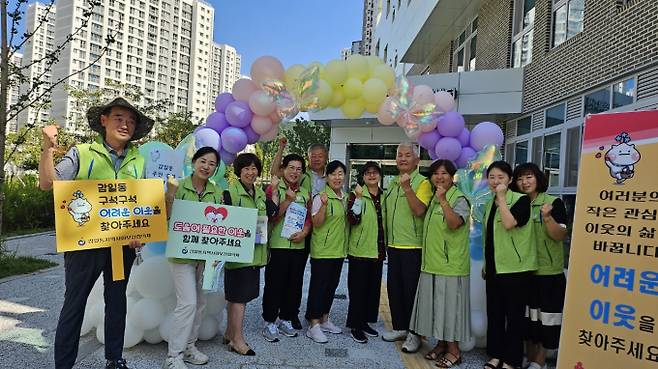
[156, 248]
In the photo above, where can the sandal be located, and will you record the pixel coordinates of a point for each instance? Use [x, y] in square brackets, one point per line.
[444, 362]
[225, 340]
[436, 352]
[246, 352]
[490, 365]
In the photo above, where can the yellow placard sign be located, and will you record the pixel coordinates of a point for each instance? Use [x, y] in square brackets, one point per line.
[94, 214]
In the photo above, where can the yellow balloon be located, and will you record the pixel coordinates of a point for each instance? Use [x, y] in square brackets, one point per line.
[374, 91]
[384, 73]
[357, 67]
[373, 61]
[337, 98]
[352, 88]
[335, 72]
[353, 108]
[372, 108]
[324, 93]
[292, 74]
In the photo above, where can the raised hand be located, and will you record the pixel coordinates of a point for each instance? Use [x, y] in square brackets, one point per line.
[49, 134]
[440, 193]
[546, 210]
[405, 181]
[358, 191]
[172, 184]
[324, 198]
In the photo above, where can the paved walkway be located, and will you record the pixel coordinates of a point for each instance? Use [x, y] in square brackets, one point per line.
[29, 308]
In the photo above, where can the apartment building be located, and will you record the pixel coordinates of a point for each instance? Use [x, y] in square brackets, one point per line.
[225, 64]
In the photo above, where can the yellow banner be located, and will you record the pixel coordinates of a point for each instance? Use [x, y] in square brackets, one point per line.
[611, 303]
[95, 214]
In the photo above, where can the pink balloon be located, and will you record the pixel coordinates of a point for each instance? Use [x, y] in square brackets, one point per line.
[444, 101]
[267, 67]
[260, 124]
[243, 88]
[270, 135]
[423, 94]
[384, 115]
[448, 148]
[261, 103]
[275, 117]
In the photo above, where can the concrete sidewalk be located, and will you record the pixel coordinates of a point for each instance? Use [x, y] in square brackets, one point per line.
[29, 308]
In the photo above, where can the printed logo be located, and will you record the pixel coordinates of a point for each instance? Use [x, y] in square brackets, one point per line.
[214, 214]
[79, 208]
[621, 158]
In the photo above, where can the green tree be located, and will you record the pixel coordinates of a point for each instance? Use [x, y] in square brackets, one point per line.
[175, 127]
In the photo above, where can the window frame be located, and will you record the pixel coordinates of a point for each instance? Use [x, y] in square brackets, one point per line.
[556, 5]
[468, 34]
[519, 34]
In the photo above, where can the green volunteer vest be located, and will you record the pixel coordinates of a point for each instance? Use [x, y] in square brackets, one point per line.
[306, 182]
[402, 227]
[240, 197]
[329, 241]
[96, 163]
[363, 236]
[186, 191]
[445, 251]
[515, 250]
[550, 253]
[276, 241]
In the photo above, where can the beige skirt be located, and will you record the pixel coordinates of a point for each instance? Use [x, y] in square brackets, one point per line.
[442, 308]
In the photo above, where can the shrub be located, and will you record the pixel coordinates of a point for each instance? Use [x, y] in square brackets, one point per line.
[26, 206]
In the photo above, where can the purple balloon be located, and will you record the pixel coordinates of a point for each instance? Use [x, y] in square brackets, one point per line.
[217, 121]
[222, 101]
[432, 154]
[450, 124]
[467, 155]
[448, 148]
[464, 137]
[238, 114]
[252, 137]
[207, 137]
[227, 157]
[486, 133]
[429, 139]
[234, 139]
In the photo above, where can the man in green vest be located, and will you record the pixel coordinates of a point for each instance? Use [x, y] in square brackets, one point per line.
[110, 156]
[406, 200]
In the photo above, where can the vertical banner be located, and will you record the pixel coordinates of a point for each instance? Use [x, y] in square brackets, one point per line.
[611, 304]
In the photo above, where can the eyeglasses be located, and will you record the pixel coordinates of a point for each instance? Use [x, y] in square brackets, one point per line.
[294, 169]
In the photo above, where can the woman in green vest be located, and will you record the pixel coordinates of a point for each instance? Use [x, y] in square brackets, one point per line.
[548, 284]
[328, 251]
[366, 252]
[187, 273]
[442, 307]
[242, 280]
[284, 274]
[510, 258]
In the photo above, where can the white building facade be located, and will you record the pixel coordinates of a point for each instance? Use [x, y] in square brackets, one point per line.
[226, 65]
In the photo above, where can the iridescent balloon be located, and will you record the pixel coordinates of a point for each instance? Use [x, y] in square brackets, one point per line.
[402, 106]
[184, 153]
[300, 96]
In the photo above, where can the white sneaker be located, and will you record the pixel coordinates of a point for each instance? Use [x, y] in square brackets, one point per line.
[411, 344]
[394, 335]
[271, 332]
[174, 363]
[285, 328]
[330, 327]
[193, 356]
[315, 333]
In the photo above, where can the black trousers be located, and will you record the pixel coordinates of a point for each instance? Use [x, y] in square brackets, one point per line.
[364, 279]
[325, 276]
[81, 270]
[284, 279]
[506, 329]
[402, 282]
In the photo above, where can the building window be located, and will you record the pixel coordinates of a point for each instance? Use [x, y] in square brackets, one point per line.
[524, 20]
[555, 116]
[552, 159]
[568, 16]
[597, 101]
[465, 48]
[520, 153]
[623, 93]
[536, 150]
[572, 157]
[523, 126]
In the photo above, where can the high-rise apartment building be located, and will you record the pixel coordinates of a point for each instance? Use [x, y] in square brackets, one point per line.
[368, 26]
[13, 94]
[225, 70]
[40, 22]
[164, 47]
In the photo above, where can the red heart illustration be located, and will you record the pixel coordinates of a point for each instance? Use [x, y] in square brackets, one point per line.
[217, 211]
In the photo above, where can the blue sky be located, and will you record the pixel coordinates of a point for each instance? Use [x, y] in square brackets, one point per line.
[294, 31]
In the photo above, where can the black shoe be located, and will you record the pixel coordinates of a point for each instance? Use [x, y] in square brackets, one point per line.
[116, 364]
[369, 331]
[358, 336]
[296, 323]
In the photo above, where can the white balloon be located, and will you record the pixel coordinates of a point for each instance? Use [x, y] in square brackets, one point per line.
[481, 342]
[87, 322]
[130, 304]
[100, 333]
[209, 328]
[146, 314]
[220, 316]
[130, 287]
[165, 326]
[467, 345]
[132, 336]
[152, 336]
[96, 294]
[477, 286]
[478, 323]
[215, 303]
[153, 278]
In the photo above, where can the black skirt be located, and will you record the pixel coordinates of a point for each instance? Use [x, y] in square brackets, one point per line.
[241, 285]
[544, 310]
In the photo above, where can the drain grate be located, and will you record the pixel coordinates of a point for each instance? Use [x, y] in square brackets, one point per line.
[335, 352]
[340, 296]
